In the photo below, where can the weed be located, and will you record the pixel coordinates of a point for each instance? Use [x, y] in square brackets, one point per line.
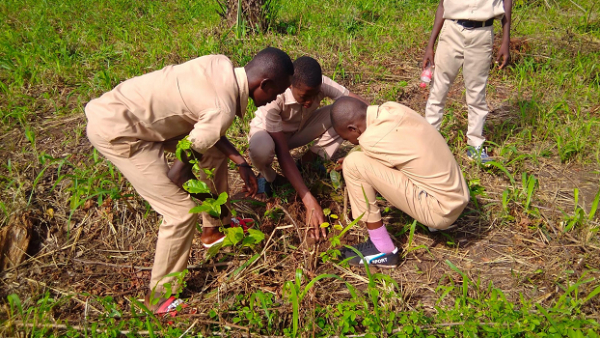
[55, 56]
[579, 218]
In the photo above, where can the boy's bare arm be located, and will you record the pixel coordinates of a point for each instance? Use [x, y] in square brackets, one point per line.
[244, 168]
[437, 27]
[293, 175]
[504, 51]
[181, 171]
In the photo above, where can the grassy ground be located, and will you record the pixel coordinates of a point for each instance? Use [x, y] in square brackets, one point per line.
[523, 260]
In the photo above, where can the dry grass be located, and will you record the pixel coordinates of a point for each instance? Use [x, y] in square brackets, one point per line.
[95, 250]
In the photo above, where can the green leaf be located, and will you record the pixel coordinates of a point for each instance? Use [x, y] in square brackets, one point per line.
[412, 233]
[258, 235]
[200, 208]
[15, 303]
[591, 295]
[254, 237]
[326, 212]
[324, 225]
[594, 206]
[222, 199]
[210, 173]
[184, 144]
[178, 152]
[338, 227]
[196, 187]
[246, 264]
[209, 206]
[150, 328]
[233, 236]
[503, 169]
[313, 281]
[336, 179]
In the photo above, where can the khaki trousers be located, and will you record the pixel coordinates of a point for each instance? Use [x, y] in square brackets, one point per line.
[470, 49]
[318, 126]
[145, 166]
[364, 176]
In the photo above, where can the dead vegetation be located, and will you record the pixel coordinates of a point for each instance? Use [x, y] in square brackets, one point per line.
[107, 249]
[82, 249]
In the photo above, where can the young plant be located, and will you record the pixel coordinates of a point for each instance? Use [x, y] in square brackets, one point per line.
[332, 253]
[170, 288]
[579, 217]
[295, 294]
[194, 186]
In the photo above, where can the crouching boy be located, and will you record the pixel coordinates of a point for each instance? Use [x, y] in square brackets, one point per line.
[294, 119]
[407, 161]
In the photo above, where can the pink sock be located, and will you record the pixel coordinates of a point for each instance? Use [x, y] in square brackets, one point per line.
[381, 238]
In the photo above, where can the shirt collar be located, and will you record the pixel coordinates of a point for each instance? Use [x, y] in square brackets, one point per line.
[244, 92]
[372, 114]
[289, 97]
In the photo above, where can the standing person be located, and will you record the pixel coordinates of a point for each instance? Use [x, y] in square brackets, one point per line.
[403, 158]
[136, 122]
[466, 40]
[294, 119]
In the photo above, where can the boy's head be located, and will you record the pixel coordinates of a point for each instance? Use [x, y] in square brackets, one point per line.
[269, 74]
[307, 79]
[349, 118]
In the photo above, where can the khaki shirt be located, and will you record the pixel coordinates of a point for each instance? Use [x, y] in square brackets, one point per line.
[200, 97]
[400, 138]
[476, 10]
[286, 115]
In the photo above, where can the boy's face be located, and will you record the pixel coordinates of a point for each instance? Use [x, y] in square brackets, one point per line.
[305, 95]
[350, 133]
[268, 90]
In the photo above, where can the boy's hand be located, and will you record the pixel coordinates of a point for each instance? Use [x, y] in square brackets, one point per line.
[251, 185]
[180, 173]
[314, 215]
[428, 57]
[339, 164]
[503, 55]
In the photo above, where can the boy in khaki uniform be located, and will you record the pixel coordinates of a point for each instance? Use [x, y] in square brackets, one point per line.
[135, 123]
[294, 119]
[407, 161]
[466, 40]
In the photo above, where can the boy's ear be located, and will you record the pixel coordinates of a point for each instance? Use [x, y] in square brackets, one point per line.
[266, 84]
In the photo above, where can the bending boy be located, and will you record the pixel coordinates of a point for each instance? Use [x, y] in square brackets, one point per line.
[403, 158]
[294, 120]
[135, 123]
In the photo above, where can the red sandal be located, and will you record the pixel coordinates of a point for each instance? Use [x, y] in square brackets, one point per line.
[244, 223]
[170, 306]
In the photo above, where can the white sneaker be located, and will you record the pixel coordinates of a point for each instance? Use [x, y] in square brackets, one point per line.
[479, 153]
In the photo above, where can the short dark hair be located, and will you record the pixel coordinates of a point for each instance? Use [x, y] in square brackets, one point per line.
[307, 71]
[273, 62]
[347, 110]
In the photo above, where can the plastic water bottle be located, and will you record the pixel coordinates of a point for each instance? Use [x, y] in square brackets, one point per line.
[426, 75]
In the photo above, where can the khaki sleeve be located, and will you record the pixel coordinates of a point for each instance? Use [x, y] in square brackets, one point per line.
[272, 112]
[332, 89]
[208, 130]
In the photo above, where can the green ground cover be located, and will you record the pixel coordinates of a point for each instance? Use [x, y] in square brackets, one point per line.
[530, 265]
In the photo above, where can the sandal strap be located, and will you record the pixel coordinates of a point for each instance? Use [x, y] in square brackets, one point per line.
[169, 305]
